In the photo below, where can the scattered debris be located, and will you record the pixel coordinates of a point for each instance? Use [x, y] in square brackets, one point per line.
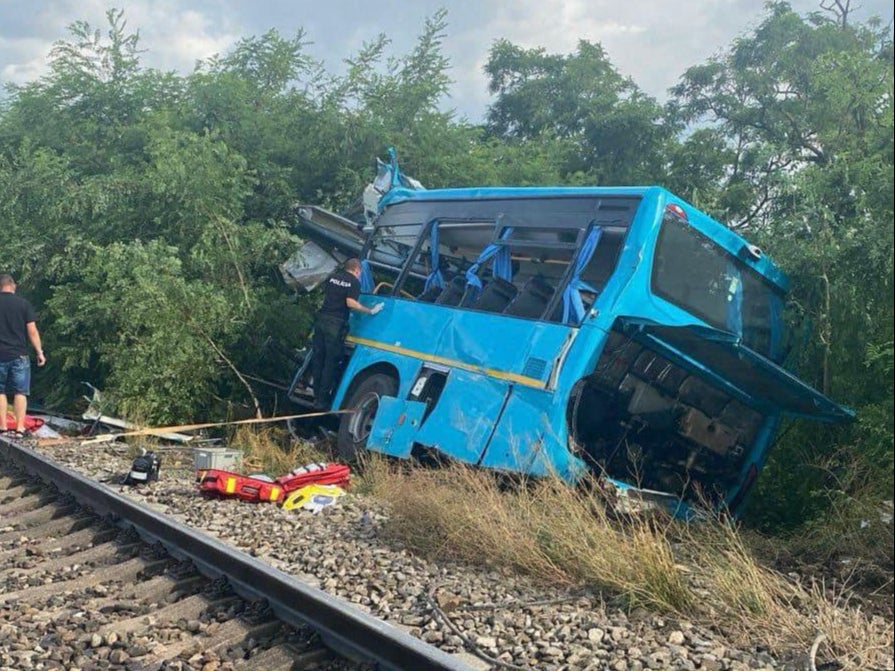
[94, 414]
[59, 425]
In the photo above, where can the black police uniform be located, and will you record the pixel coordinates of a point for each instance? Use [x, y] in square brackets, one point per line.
[330, 329]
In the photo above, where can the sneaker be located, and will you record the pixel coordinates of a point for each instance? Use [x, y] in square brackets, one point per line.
[19, 435]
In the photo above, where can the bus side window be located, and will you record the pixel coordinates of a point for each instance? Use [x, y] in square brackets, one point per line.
[434, 293]
[389, 252]
[431, 294]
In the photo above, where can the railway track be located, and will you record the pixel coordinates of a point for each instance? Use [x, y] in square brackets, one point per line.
[91, 580]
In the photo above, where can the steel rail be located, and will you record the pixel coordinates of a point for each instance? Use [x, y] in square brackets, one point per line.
[345, 629]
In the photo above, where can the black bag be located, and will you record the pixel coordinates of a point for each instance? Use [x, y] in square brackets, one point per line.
[144, 469]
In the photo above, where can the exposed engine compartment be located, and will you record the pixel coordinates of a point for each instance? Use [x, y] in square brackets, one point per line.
[643, 420]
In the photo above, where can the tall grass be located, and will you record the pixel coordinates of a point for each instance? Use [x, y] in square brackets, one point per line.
[566, 536]
[542, 528]
[758, 603]
[270, 450]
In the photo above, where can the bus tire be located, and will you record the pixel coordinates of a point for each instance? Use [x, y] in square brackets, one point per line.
[354, 427]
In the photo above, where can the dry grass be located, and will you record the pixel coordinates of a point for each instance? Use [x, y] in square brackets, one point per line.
[452, 513]
[270, 450]
[562, 535]
[850, 635]
[634, 560]
[757, 603]
[541, 528]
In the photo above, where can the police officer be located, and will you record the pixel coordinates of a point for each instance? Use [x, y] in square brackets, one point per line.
[340, 293]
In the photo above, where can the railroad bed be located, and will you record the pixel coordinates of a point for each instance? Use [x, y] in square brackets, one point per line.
[487, 616]
[91, 580]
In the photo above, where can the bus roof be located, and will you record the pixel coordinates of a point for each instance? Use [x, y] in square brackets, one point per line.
[400, 195]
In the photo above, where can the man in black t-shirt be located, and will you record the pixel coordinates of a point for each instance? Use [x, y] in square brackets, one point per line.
[340, 294]
[17, 327]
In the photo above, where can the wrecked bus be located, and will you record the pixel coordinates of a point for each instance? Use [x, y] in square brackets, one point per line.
[614, 331]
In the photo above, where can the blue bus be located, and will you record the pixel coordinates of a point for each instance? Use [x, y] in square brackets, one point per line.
[615, 332]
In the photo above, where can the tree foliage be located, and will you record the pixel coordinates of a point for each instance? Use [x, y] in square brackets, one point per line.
[613, 132]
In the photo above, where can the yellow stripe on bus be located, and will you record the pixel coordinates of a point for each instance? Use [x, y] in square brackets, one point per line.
[231, 485]
[491, 372]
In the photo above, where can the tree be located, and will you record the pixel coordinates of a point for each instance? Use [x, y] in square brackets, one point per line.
[805, 108]
[615, 134]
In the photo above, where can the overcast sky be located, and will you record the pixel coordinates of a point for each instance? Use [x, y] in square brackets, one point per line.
[652, 41]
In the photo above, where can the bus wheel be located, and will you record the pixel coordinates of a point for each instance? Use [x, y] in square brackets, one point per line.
[354, 429]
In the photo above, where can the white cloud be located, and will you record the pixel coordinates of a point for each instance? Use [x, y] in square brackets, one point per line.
[187, 35]
[23, 72]
[652, 41]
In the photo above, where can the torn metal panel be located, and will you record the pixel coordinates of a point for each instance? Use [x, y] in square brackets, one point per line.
[341, 236]
[130, 426]
[519, 438]
[93, 414]
[331, 231]
[308, 266]
[753, 378]
[388, 176]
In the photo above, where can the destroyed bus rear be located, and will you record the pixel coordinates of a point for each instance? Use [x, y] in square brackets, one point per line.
[567, 331]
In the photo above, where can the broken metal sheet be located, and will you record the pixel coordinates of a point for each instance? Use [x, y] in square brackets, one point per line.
[331, 231]
[93, 414]
[308, 267]
[129, 426]
[519, 439]
[464, 417]
[751, 377]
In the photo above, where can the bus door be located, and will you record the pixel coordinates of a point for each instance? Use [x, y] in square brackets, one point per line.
[301, 390]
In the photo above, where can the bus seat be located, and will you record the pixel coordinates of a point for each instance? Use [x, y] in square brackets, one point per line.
[496, 296]
[452, 294]
[431, 294]
[470, 295]
[532, 299]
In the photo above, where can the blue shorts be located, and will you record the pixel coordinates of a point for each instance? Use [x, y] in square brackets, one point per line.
[15, 376]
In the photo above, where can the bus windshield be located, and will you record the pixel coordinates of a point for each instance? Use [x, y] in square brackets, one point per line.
[696, 274]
